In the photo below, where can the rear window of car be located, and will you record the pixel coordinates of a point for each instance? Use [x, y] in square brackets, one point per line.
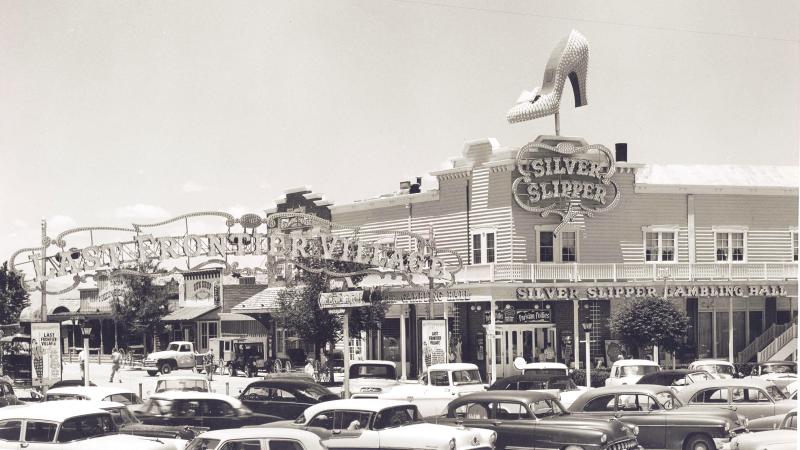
[714, 395]
[372, 371]
[52, 397]
[545, 372]
[10, 430]
[85, 427]
[628, 371]
[467, 376]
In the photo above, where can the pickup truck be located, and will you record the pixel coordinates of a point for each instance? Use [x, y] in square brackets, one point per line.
[178, 355]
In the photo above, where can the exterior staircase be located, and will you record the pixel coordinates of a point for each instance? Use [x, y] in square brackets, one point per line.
[760, 343]
[783, 347]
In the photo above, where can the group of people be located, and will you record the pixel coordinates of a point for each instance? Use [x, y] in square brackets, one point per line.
[116, 363]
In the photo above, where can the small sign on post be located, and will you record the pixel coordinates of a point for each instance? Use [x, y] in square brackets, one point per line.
[337, 303]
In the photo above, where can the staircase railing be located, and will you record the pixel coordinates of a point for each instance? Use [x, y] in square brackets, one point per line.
[777, 344]
[760, 342]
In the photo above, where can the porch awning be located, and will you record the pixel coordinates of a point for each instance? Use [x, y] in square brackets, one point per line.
[189, 313]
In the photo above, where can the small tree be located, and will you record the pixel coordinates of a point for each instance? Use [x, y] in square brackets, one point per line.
[644, 322]
[142, 304]
[13, 296]
[369, 318]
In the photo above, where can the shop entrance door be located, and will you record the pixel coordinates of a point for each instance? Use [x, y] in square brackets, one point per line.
[527, 341]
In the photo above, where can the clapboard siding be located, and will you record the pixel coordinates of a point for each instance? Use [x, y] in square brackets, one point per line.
[480, 189]
[758, 212]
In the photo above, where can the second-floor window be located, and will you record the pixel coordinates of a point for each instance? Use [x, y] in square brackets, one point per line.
[659, 246]
[558, 248]
[729, 246]
[483, 247]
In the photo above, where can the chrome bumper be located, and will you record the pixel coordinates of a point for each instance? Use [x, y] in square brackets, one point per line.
[722, 443]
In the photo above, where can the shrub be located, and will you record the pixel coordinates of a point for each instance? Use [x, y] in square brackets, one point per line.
[598, 377]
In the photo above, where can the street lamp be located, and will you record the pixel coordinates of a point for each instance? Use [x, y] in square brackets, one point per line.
[86, 330]
[587, 330]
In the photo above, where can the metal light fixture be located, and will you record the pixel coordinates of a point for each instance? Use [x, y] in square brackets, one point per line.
[86, 330]
[587, 325]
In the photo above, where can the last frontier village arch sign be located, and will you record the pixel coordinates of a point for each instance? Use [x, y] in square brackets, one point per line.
[294, 237]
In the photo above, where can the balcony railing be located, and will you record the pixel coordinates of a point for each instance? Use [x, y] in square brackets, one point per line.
[575, 272]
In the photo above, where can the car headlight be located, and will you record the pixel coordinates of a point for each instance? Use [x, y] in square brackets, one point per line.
[453, 444]
[603, 438]
[493, 438]
[635, 430]
[573, 447]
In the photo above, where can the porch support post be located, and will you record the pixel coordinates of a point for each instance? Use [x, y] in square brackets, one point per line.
[730, 330]
[492, 341]
[576, 333]
[100, 350]
[403, 339]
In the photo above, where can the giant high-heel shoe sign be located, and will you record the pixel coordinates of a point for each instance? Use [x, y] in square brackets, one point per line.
[569, 59]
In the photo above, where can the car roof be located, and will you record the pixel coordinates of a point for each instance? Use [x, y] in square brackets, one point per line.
[94, 403]
[523, 396]
[56, 411]
[767, 363]
[286, 382]
[90, 391]
[358, 404]
[373, 362]
[628, 388]
[711, 361]
[531, 377]
[453, 366]
[180, 342]
[634, 362]
[192, 395]
[259, 433]
[183, 376]
[544, 365]
[728, 382]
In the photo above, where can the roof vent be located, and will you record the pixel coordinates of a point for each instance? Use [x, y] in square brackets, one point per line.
[622, 151]
[416, 188]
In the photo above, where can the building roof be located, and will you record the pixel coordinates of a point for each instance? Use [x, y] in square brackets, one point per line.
[263, 301]
[234, 294]
[188, 313]
[721, 178]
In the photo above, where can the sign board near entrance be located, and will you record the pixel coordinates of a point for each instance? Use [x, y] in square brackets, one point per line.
[434, 342]
[521, 316]
[425, 295]
[45, 353]
[338, 300]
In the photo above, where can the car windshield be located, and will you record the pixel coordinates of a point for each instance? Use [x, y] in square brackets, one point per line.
[778, 368]
[173, 347]
[699, 376]
[397, 416]
[628, 371]
[466, 377]
[84, 427]
[562, 384]
[203, 444]
[776, 392]
[545, 372]
[181, 385]
[121, 416]
[790, 421]
[64, 396]
[314, 391]
[667, 400]
[372, 371]
[547, 408]
[717, 368]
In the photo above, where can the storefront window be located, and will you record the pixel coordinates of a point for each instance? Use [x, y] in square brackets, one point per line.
[659, 246]
[730, 246]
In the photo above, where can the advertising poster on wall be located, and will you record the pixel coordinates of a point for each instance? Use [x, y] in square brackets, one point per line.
[45, 353]
[434, 342]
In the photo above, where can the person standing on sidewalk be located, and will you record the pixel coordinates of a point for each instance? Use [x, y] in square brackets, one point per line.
[116, 360]
[208, 361]
[82, 361]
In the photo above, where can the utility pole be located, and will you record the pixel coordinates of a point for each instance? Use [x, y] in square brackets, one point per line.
[430, 278]
[43, 307]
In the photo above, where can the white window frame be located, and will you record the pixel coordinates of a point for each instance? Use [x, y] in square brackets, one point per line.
[482, 232]
[557, 245]
[661, 229]
[728, 229]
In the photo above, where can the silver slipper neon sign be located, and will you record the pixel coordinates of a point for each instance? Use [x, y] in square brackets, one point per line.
[319, 240]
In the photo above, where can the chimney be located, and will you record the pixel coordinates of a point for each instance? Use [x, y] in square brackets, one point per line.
[405, 185]
[416, 188]
[622, 151]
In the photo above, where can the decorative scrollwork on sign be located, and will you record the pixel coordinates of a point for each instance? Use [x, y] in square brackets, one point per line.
[565, 180]
[323, 239]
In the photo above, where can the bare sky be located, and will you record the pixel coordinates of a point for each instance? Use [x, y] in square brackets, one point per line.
[129, 111]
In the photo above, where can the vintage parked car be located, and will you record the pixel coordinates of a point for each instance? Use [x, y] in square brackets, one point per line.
[377, 424]
[199, 409]
[437, 386]
[662, 419]
[628, 371]
[782, 438]
[560, 386]
[257, 439]
[535, 419]
[7, 395]
[750, 397]
[541, 369]
[284, 397]
[371, 377]
[127, 423]
[15, 358]
[718, 368]
[183, 382]
[67, 426]
[677, 378]
[782, 373]
[97, 393]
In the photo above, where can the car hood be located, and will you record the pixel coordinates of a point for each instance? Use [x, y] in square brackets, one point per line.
[161, 354]
[750, 441]
[125, 442]
[429, 435]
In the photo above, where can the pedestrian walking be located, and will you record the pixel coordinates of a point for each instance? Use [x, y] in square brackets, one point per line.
[309, 368]
[82, 361]
[116, 361]
[208, 360]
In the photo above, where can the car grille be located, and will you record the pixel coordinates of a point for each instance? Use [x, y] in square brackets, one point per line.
[623, 445]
